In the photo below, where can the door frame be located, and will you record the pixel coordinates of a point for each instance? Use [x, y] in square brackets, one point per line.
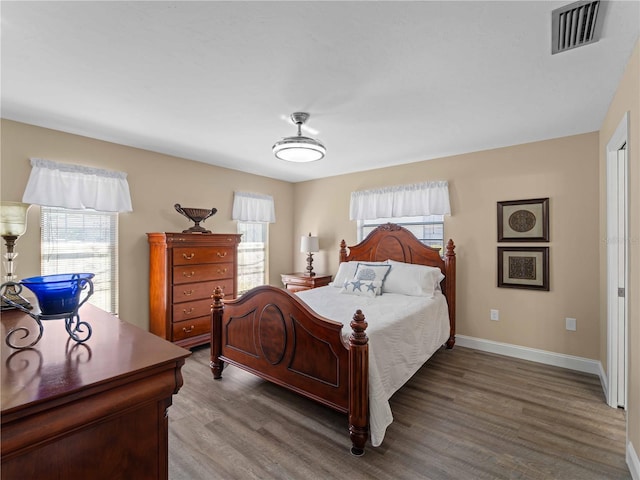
[619, 139]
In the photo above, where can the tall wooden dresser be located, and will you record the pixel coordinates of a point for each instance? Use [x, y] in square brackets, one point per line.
[184, 270]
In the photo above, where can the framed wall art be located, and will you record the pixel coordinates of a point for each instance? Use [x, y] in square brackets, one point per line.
[523, 267]
[524, 220]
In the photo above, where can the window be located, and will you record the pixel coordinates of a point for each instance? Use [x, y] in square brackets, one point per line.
[254, 212]
[252, 255]
[82, 241]
[428, 229]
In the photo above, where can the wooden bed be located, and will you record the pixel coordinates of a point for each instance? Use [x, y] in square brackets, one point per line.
[271, 333]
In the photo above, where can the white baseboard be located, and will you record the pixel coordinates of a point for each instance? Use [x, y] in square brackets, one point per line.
[633, 462]
[604, 382]
[541, 356]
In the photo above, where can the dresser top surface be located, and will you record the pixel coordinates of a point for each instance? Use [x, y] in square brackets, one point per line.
[194, 239]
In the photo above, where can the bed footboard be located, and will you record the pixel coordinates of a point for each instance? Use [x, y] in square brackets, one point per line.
[273, 334]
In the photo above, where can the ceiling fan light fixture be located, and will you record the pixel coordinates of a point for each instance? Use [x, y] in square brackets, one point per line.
[299, 148]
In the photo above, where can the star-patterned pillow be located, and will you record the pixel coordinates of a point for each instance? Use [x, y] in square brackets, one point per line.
[364, 288]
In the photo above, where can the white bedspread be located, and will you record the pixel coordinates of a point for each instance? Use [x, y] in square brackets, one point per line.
[403, 333]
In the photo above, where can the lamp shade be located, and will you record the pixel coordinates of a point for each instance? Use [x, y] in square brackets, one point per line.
[13, 218]
[309, 244]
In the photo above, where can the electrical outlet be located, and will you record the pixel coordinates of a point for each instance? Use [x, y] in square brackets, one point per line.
[495, 314]
[570, 324]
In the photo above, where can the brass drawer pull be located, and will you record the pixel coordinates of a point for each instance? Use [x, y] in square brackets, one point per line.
[184, 310]
[188, 257]
[187, 293]
[187, 330]
[222, 270]
[188, 274]
[222, 254]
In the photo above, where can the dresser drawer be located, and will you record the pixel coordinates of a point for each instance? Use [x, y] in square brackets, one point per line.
[195, 291]
[197, 308]
[192, 256]
[202, 273]
[191, 328]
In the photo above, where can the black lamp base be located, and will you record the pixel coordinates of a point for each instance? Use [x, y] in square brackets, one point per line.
[310, 271]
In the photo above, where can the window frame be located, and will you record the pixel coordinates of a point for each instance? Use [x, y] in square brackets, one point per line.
[106, 290]
[423, 220]
[265, 260]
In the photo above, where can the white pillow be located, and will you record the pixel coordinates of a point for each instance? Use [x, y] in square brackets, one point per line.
[363, 288]
[371, 271]
[412, 279]
[347, 270]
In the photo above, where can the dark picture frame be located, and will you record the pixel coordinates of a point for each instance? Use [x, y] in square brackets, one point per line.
[523, 220]
[523, 267]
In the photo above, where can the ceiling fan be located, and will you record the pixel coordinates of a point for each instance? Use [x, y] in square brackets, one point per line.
[299, 148]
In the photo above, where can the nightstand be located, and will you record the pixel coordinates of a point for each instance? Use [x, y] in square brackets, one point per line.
[296, 282]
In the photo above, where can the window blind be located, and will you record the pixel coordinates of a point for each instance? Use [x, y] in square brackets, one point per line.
[252, 255]
[75, 241]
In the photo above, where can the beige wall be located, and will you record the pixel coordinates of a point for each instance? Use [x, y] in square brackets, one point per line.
[626, 99]
[157, 182]
[564, 169]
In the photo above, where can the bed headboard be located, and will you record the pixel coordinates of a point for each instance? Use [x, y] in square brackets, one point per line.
[391, 241]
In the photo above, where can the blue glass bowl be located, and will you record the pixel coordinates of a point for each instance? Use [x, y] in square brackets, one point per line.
[58, 294]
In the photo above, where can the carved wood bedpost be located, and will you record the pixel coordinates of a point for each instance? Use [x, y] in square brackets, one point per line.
[216, 333]
[450, 286]
[358, 384]
[343, 251]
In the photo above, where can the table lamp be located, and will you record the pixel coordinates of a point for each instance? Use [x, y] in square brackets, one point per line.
[309, 245]
[13, 224]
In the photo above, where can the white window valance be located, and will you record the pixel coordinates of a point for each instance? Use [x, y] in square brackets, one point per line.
[253, 207]
[77, 187]
[428, 198]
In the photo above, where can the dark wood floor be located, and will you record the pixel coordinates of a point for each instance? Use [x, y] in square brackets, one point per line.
[465, 415]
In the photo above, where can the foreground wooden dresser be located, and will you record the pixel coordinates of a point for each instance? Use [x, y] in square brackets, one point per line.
[96, 410]
[184, 270]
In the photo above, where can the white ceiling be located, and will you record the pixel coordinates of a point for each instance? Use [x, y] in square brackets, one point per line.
[386, 83]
